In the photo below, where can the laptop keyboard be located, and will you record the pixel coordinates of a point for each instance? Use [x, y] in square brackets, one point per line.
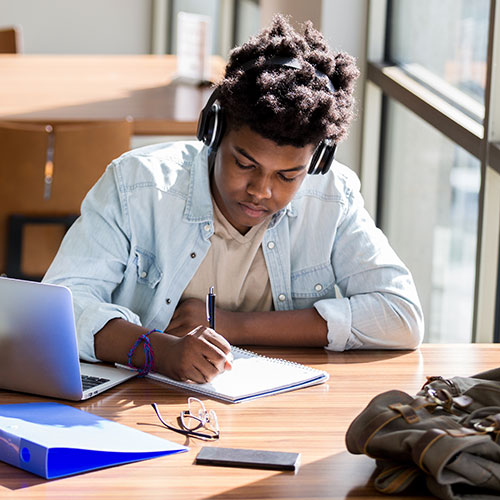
[88, 382]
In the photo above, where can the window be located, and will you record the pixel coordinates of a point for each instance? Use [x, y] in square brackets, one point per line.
[431, 95]
[443, 45]
[430, 189]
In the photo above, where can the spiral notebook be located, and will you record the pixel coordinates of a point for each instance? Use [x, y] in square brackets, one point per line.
[253, 376]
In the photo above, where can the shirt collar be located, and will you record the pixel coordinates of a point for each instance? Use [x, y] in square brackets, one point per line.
[198, 203]
[289, 210]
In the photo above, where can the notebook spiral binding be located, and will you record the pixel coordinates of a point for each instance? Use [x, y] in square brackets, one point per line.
[278, 361]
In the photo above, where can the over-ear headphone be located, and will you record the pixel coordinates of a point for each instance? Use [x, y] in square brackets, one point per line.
[211, 124]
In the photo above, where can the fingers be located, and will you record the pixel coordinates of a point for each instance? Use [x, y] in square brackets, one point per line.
[203, 371]
[213, 353]
[199, 355]
[213, 338]
[224, 346]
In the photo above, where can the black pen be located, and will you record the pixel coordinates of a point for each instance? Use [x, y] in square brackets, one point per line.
[211, 308]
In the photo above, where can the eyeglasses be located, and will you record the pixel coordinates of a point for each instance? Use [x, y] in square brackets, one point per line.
[193, 419]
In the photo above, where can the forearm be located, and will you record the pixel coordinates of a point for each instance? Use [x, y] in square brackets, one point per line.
[303, 327]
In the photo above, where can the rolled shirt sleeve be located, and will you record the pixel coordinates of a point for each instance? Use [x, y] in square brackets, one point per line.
[378, 305]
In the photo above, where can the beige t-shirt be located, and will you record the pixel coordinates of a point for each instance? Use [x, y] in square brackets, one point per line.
[236, 267]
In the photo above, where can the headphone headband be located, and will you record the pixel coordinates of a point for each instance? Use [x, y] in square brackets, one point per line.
[287, 62]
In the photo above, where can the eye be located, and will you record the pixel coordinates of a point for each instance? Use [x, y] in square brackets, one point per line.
[240, 165]
[287, 179]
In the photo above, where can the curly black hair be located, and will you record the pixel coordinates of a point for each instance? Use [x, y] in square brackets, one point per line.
[286, 105]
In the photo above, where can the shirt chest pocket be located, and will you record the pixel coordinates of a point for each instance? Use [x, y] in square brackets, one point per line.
[148, 273]
[313, 283]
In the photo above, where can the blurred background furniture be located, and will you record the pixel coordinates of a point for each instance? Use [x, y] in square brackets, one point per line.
[62, 88]
[10, 40]
[47, 170]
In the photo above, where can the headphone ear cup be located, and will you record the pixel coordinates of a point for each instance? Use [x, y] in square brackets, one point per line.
[211, 126]
[328, 157]
[217, 127]
[211, 123]
[201, 131]
[316, 157]
[322, 158]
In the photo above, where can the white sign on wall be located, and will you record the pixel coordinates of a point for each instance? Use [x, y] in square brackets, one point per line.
[193, 46]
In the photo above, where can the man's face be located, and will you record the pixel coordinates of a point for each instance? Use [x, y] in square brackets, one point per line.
[254, 178]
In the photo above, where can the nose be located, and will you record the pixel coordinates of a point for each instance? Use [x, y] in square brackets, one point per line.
[260, 187]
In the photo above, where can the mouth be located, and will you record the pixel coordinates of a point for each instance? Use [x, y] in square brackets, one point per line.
[255, 211]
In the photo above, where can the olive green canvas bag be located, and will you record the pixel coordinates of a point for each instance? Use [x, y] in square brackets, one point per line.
[445, 438]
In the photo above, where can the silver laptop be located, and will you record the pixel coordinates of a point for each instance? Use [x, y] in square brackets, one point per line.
[38, 344]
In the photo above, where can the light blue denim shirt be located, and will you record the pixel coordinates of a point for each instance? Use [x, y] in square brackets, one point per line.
[145, 227]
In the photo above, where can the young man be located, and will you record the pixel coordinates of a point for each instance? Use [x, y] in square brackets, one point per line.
[294, 257]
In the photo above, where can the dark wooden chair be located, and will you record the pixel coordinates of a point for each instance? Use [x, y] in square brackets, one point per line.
[46, 171]
[10, 40]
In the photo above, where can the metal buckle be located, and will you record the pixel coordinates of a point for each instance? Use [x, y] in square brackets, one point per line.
[483, 428]
[432, 394]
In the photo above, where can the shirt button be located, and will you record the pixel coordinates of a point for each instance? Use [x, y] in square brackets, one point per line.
[281, 297]
[144, 274]
[193, 255]
[318, 287]
[168, 301]
[270, 245]
[206, 227]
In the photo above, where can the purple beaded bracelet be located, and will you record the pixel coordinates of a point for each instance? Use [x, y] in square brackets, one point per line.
[148, 353]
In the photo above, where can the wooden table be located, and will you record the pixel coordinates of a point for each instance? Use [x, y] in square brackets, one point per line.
[312, 421]
[102, 87]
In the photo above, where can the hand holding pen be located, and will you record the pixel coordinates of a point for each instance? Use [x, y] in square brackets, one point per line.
[197, 352]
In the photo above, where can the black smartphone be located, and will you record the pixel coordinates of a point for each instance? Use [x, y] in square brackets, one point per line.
[256, 459]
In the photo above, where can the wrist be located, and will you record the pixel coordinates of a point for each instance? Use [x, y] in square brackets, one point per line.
[163, 344]
[148, 354]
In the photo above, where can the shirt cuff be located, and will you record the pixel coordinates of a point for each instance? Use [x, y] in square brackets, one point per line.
[92, 319]
[337, 314]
